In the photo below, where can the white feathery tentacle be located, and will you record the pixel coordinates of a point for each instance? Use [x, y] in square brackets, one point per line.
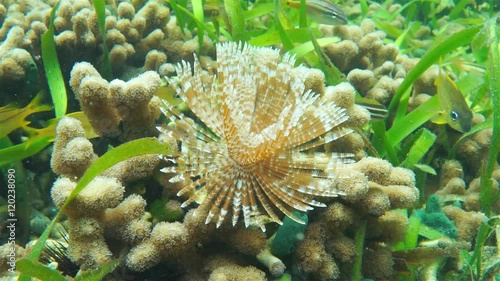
[249, 158]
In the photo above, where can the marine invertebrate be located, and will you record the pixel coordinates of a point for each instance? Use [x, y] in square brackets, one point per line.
[222, 267]
[474, 149]
[15, 62]
[185, 244]
[117, 107]
[260, 120]
[98, 214]
[433, 216]
[373, 66]
[312, 258]
[73, 153]
[467, 222]
[373, 188]
[85, 218]
[164, 239]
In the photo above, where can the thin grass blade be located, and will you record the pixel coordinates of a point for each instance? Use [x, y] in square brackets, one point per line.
[37, 270]
[424, 141]
[100, 10]
[52, 68]
[487, 195]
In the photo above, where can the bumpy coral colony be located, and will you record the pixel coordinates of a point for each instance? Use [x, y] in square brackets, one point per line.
[253, 154]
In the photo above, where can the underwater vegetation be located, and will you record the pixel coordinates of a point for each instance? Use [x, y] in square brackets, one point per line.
[250, 140]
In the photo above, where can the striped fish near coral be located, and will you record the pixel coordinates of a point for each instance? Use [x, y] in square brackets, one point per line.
[250, 159]
[321, 11]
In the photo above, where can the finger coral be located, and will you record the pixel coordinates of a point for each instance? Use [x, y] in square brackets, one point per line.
[117, 107]
[371, 188]
[260, 120]
[15, 62]
[373, 66]
[97, 216]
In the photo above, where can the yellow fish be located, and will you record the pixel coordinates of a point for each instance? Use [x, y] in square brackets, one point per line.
[454, 109]
[168, 92]
[12, 118]
[321, 11]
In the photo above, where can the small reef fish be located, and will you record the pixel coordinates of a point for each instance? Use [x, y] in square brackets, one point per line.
[12, 118]
[454, 109]
[211, 8]
[168, 92]
[321, 11]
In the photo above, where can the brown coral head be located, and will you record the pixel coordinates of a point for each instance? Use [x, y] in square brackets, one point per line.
[251, 154]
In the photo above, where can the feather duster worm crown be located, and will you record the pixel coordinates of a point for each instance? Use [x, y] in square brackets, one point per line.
[249, 157]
